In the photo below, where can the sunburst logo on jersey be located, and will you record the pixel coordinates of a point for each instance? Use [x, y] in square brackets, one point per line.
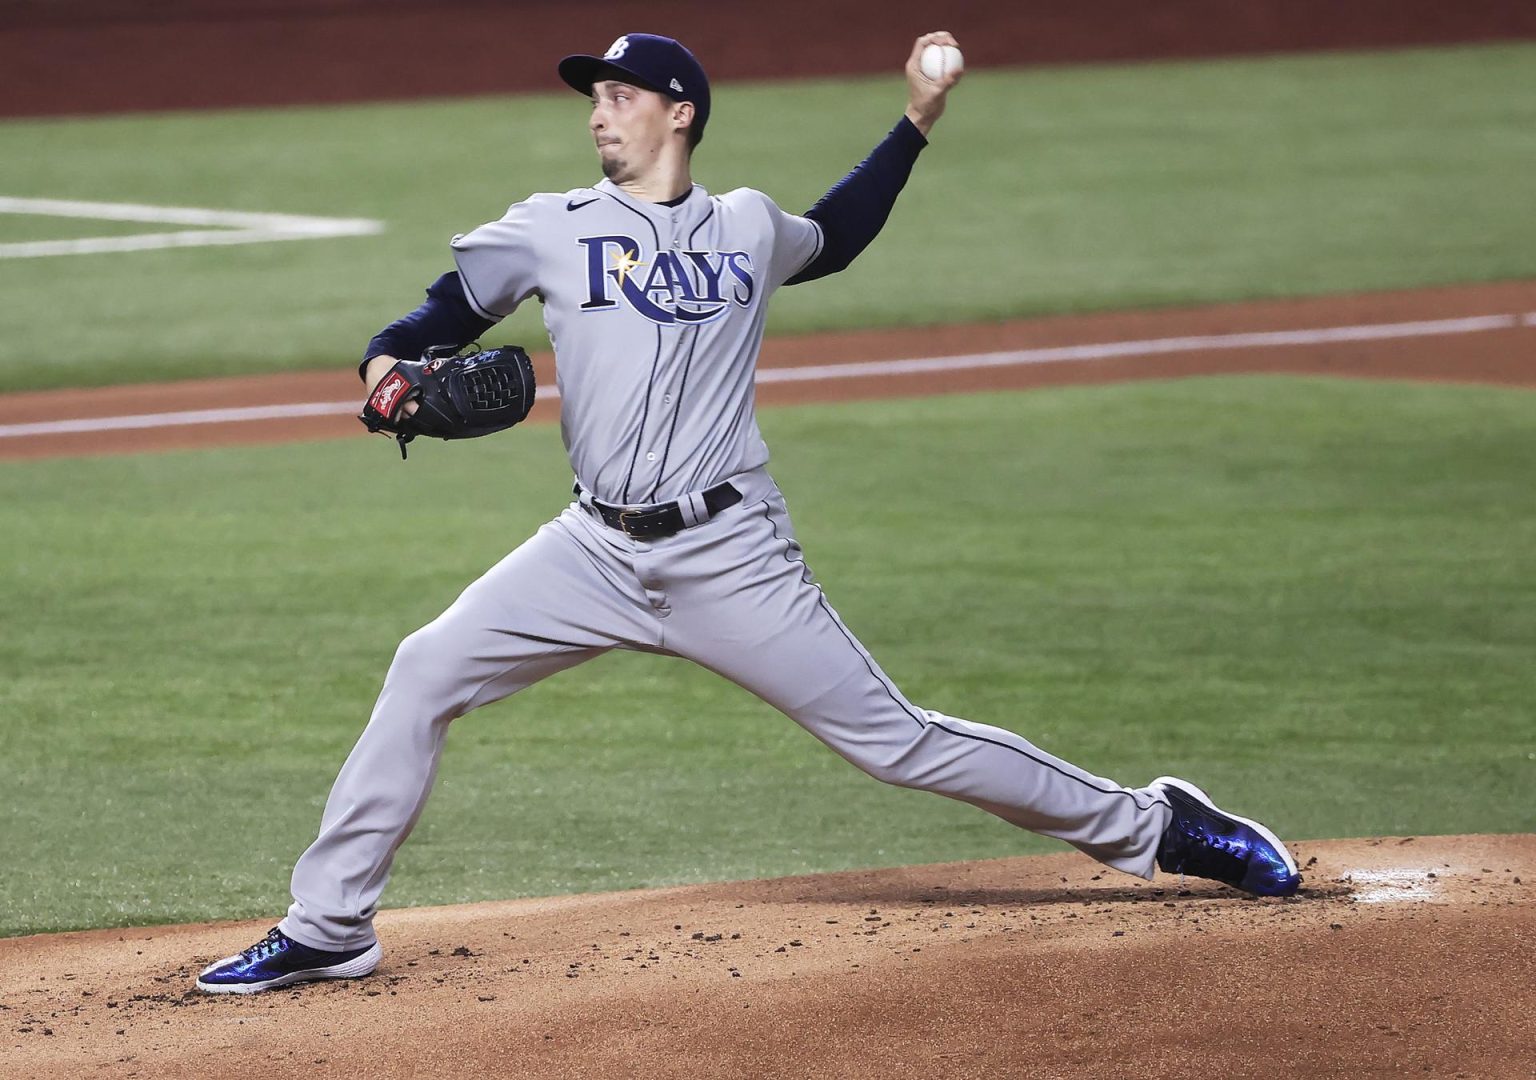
[624, 264]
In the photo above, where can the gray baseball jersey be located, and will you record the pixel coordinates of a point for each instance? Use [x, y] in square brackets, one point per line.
[656, 314]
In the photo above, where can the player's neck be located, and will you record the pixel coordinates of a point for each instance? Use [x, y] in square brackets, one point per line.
[667, 180]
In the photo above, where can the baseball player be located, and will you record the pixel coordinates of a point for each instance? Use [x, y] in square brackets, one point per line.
[678, 540]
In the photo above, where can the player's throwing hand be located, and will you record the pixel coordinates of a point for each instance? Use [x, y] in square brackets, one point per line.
[927, 93]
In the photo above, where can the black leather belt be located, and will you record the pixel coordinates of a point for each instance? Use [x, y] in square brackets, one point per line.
[662, 519]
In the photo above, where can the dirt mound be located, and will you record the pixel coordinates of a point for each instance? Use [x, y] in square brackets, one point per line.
[1400, 955]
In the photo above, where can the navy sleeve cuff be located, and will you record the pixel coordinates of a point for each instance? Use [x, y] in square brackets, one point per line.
[446, 318]
[906, 131]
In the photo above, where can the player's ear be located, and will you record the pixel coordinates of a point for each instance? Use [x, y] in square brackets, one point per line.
[682, 115]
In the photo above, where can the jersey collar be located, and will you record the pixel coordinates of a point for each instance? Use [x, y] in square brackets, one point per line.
[694, 206]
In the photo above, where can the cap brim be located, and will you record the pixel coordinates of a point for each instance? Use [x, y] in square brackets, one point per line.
[581, 71]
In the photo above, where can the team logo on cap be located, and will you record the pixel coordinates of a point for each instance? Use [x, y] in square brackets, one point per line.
[617, 49]
[673, 287]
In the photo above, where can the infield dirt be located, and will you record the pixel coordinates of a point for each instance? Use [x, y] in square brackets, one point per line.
[1505, 356]
[1401, 955]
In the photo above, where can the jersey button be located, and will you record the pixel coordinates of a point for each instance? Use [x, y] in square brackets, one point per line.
[666, 399]
[651, 456]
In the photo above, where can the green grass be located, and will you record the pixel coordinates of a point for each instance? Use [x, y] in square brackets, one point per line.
[1045, 190]
[21, 228]
[1317, 598]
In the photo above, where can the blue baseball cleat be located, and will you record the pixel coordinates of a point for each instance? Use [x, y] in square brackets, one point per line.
[278, 960]
[1202, 841]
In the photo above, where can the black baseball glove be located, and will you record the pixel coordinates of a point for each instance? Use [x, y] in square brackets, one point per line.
[459, 395]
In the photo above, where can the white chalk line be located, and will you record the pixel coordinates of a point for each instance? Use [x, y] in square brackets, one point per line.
[1148, 347]
[187, 418]
[218, 227]
[865, 369]
[1398, 885]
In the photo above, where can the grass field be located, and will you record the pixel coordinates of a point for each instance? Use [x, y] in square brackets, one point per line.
[1046, 190]
[1316, 597]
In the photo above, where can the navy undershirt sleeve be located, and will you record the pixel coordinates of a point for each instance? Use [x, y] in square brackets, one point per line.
[855, 210]
[445, 319]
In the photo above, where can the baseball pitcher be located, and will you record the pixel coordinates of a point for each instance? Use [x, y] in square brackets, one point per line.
[678, 540]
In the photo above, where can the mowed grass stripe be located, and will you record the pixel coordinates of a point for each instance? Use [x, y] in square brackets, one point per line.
[1061, 189]
[1314, 597]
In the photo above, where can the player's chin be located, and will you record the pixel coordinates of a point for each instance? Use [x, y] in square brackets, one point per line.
[615, 168]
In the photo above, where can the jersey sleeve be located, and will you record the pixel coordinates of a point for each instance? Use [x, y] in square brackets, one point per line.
[498, 263]
[796, 243]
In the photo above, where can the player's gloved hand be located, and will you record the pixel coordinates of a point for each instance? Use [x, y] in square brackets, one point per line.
[458, 395]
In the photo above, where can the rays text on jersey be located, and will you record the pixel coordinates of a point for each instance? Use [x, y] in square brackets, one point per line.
[671, 287]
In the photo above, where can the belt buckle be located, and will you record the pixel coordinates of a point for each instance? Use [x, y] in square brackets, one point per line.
[624, 516]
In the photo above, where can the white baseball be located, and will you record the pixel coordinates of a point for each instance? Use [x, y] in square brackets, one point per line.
[938, 61]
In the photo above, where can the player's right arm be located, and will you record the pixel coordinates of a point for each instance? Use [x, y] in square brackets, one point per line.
[497, 270]
[446, 318]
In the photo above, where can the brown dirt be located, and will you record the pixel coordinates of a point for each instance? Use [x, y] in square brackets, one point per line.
[116, 55]
[1506, 357]
[1413, 955]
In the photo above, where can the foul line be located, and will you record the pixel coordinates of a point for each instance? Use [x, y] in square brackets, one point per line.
[1015, 358]
[1150, 347]
[218, 227]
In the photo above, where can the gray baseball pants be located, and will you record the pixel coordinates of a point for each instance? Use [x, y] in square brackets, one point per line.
[732, 595]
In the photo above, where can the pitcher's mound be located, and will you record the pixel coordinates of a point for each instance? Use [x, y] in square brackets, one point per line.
[1404, 955]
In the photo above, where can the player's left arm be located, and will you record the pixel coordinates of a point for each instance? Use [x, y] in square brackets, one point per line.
[852, 214]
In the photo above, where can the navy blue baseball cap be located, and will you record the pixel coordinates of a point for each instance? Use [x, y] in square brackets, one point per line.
[652, 62]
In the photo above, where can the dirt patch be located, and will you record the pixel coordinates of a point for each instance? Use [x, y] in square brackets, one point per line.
[1404, 955]
[120, 55]
[1162, 349]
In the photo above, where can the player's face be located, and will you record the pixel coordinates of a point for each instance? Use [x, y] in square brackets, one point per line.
[630, 127]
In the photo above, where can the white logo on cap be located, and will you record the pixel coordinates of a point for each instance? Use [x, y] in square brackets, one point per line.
[674, 84]
[617, 49]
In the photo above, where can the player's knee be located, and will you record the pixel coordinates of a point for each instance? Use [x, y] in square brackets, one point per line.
[905, 763]
[898, 768]
[426, 661]
[886, 772]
